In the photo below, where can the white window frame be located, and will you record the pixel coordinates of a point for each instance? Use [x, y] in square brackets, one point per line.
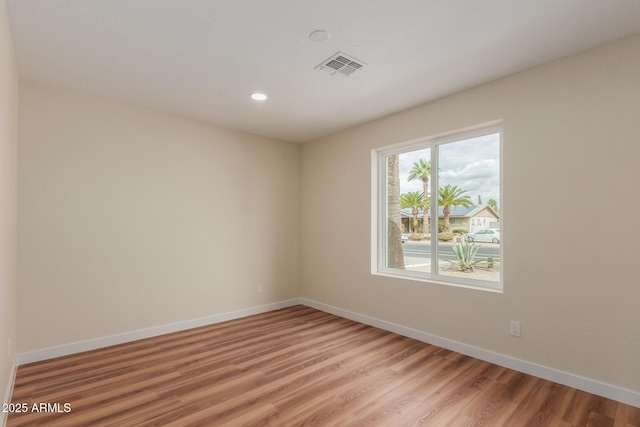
[379, 203]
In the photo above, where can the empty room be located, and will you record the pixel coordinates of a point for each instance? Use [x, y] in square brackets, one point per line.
[270, 212]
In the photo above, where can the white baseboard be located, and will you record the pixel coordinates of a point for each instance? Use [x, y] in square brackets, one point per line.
[565, 378]
[7, 394]
[77, 347]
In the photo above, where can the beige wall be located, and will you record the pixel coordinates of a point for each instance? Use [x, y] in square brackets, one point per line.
[571, 144]
[132, 219]
[8, 201]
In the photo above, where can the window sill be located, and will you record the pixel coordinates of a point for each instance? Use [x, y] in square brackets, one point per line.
[493, 287]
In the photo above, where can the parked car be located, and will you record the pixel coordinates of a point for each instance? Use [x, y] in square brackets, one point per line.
[405, 237]
[491, 235]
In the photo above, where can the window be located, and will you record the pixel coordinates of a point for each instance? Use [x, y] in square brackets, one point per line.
[437, 209]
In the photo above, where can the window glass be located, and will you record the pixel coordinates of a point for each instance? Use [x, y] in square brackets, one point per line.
[438, 209]
[469, 176]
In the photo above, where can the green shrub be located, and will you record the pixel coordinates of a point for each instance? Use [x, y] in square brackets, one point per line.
[416, 236]
[465, 253]
[460, 231]
[445, 236]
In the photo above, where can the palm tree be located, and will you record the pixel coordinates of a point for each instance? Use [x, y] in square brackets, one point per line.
[395, 254]
[451, 195]
[413, 200]
[422, 170]
[425, 217]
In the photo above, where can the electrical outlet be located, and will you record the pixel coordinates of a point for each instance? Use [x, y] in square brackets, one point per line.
[514, 329]
[259, 288]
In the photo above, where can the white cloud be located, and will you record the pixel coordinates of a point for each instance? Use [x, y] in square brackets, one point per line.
[472, 164]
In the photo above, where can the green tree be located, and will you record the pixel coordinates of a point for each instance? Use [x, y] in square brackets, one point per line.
[422, 170]
[451, 195]
[493, 203]
[395, 254]
[415, 201]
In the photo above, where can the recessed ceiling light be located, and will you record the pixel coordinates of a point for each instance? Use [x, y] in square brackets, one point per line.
[319, 36]
[259, 96]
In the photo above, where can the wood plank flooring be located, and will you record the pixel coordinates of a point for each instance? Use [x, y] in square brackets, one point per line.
[291, 367]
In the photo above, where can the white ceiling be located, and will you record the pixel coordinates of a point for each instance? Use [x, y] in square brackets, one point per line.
[203, 58]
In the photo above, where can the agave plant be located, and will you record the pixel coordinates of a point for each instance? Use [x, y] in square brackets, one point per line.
[466, 253]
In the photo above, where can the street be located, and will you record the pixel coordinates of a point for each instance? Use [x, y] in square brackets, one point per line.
[420, 252]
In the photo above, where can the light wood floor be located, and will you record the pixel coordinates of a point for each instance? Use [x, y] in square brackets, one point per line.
[297, 366]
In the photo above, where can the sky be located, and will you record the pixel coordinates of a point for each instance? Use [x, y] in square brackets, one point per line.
[471, 164]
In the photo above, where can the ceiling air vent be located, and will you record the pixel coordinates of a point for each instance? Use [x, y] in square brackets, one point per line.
[340, 65]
